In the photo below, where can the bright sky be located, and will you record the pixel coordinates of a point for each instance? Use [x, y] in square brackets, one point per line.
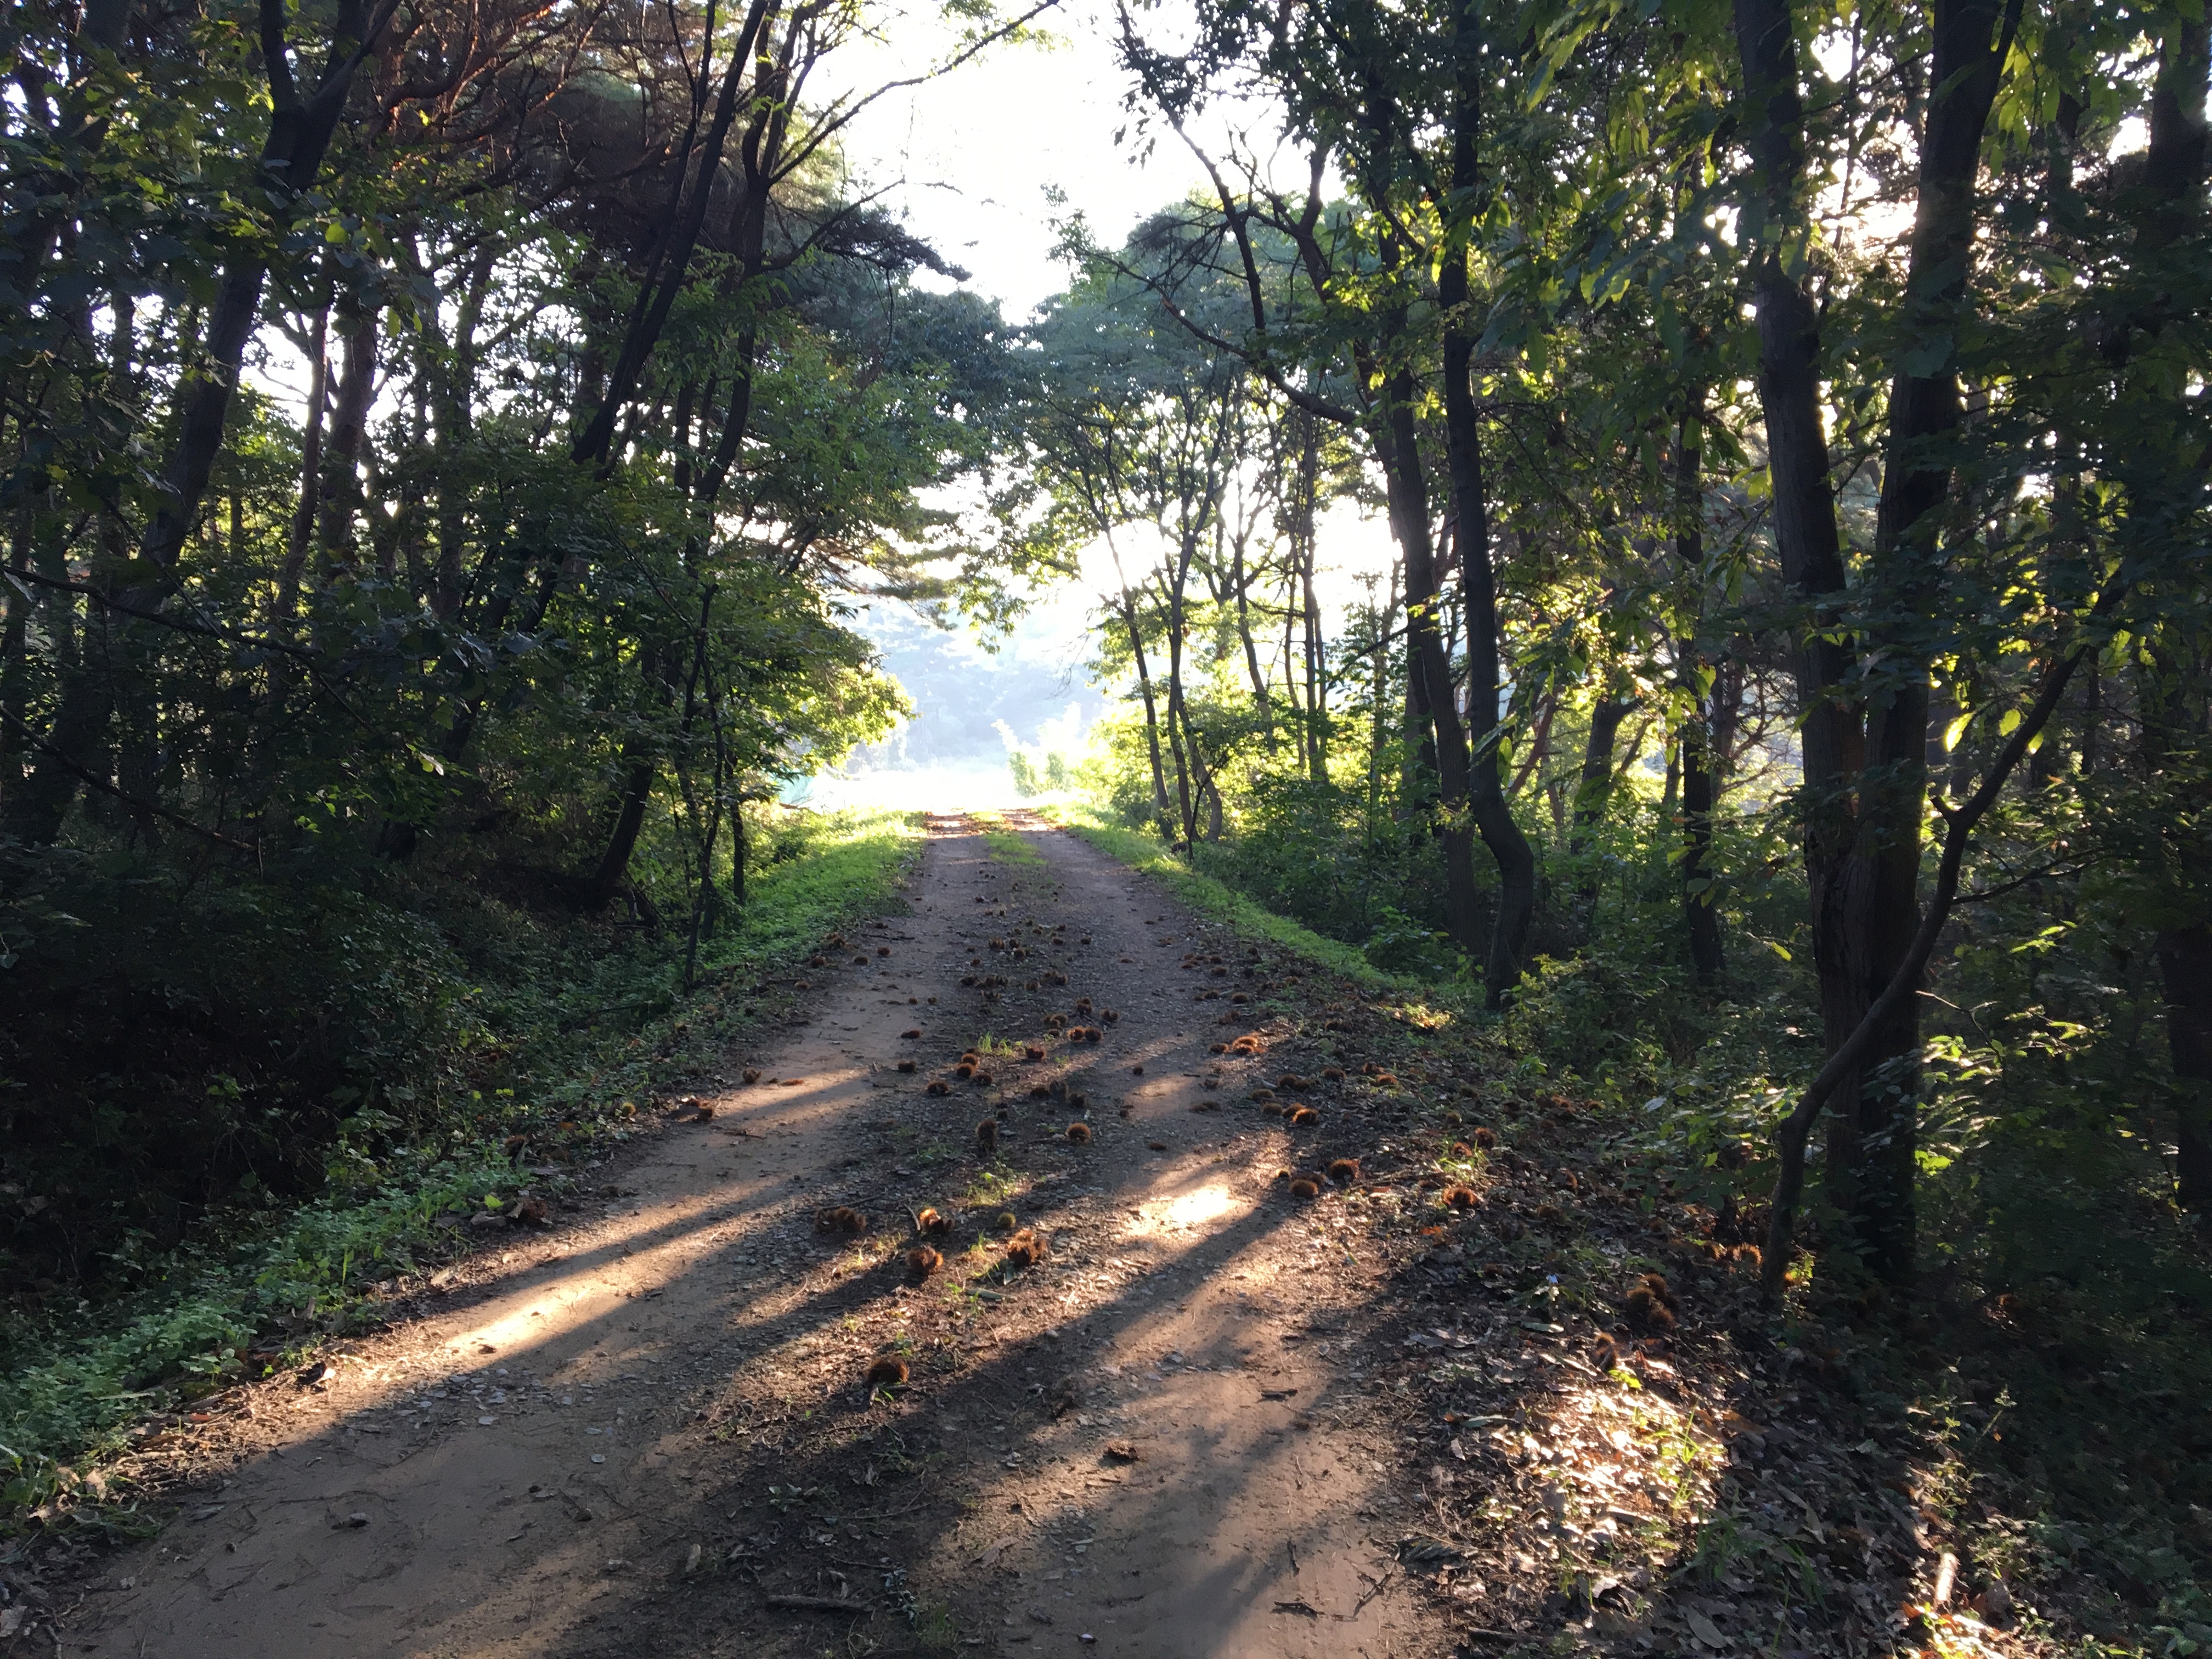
[972, 156]
[973, 160]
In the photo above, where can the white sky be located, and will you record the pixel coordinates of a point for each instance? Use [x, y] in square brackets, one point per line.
[971, 156]
[972, 159]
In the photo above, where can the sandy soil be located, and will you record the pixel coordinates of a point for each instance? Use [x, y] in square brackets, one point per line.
[630, 1435]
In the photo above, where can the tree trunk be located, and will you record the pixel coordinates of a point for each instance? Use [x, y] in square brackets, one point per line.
[1482, 787]
[1701, 917]
[14, 661]
[669, 265]
[638, 764]
[1377, 730]
[1151, 709]
[450, 373]
[1594, 785]
[1701, 920]
[1178, 724]
[1875, 1147]
[341, 497]
[311, 474]
[1539, 743]
[2184, 961]
[1317, 648]
[2174, 171]
[1304, 491]
[1862, 843]
[1261, 703]
[1428, 674]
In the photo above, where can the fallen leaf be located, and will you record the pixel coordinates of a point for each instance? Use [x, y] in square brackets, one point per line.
[1707, 1632]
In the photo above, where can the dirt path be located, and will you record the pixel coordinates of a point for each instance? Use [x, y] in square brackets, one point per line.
[629, 1436]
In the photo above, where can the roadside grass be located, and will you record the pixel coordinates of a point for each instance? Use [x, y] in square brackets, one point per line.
[255, 1289]
[1147, 854]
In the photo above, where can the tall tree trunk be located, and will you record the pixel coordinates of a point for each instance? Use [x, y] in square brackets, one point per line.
[341, 496]
[1875, 1147]
[1428, 674]
[1380, 671]
[637, 766]
[1261, 703]
[1832, 737]
[137, 693]
[1484, 790]
[1316, 669]
[2175, 171]
[2184, 961]
[1152, 708]
[1862, 846]
[1540, 743]
[1700, 915]
[1129, 619]
[1305, 488]
[668, 267]
[450, 368]
[1594, 784]
[15, 660]
[740, 848]
[311, 473]
[1179, 749]
[760, 152]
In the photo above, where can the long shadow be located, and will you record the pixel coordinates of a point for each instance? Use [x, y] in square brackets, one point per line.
[802, 1545]
[861, 1507]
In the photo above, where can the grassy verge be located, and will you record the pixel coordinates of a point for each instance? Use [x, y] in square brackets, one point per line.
[254, 1289]
[1147, 854]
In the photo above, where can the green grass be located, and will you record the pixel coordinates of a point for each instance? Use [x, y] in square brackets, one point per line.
[76, 1386]
[849, 870]
[1006, 845]
[1147, 854]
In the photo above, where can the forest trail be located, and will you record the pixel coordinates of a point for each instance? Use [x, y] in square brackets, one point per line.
[628, 1435]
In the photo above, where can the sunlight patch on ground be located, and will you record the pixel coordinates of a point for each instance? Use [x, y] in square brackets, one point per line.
[1204, 1205]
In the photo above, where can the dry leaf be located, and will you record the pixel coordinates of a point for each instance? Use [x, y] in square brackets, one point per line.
[1707, 1632]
